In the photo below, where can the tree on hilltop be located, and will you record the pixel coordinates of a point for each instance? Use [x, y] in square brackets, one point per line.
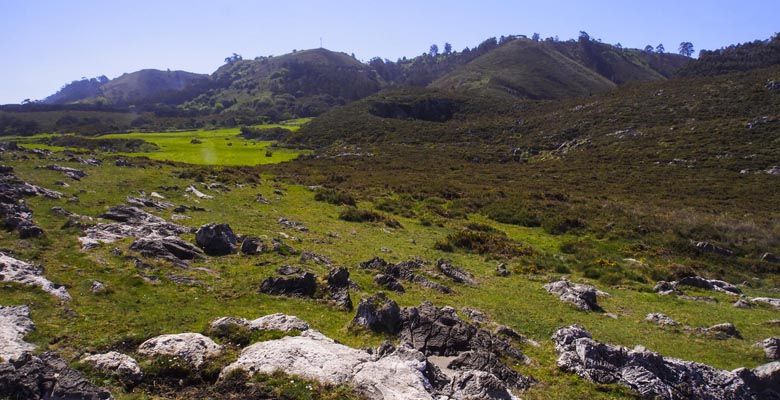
[434, 51]
[686, 49]
[660, 48]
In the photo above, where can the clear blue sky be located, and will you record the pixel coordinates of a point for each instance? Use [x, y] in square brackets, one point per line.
[45, 44]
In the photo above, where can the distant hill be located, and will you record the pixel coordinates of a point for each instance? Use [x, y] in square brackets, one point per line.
[148, 85]
[555, 70]
[735, 58]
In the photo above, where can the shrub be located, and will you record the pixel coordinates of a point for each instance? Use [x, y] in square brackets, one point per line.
[561, 225]
[483, 241]
[254, 133]
[356, 215]
[335, 197]
[512, 213]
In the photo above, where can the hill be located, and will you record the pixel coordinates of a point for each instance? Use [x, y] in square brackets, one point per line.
[555, 70]
[144, 86]
[735, 58]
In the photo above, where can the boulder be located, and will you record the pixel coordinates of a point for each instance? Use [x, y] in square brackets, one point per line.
[709, 284]
[128, 222]
[118, 365]
[664, 287]
[581, 296]
[707, 247]
[486, 361]
[661, 319]
[197, 193]
[307, 256]
[170, 248]
[46, 377]
[742, 303]
[722, 331]
[647, 373]
[279, 322]
[288, 270]
[18, 271]
[15, 324]
[144, 202]
[456, 274]
[501, 270]
[14, 213]
[475, 384]
[338, 278]
[407, 271]
[252, 246]
[192, 349]
[304, 284]
[216, 239]
[292, 225]
[389, 282]
[379, 314]
[774, 302]
[771, 347]
[71, 173]
[97, 287]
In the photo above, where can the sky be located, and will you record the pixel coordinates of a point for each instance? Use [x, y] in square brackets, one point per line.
[46, 44]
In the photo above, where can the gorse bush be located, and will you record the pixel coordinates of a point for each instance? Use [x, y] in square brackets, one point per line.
[483, 240]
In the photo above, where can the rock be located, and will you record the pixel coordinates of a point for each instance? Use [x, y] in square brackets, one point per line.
[307, 256]
[216, 239]
[475, 315]
[770, 258]
[581, 296]
[647, 373]
[169, 248]
[501, 270]
[456, 274]
[288, 270]
[772, 85]
[491, 363]
[279, 322]
[14, 212]
[771, 347]
[721, 331]
[198, 193]
[707, 247]
[192, 349]
[119, 365]
[338, 287]
[389, 282]
[15, 324]
[121, 162]
[128, 222]
[71, 173]
[478, 385]
[297, 285]
[13, 270]
[341, 299]
[315, 356]
[764, 379]
[406, 271]
[767, 300]
[97, 287]
[742, 303]
[144, 202]
[252, 246]
[46, 377]
[664, 287]
[379, 314]
[292, 225]
[661, 319]
[709, 284]
[282, 248]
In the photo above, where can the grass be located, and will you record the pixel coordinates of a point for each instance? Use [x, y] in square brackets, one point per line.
[135, 309]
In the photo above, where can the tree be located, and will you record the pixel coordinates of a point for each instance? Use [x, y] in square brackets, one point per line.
[584, 37]
[434, 51]
[231, 59]
[535, 37]
[660, 48]
[619, 46]
[686, 49]
[648, 49]
[447, 49]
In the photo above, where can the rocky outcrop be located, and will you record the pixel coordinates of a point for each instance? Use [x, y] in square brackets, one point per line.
[46, 377]
[13, 270]
[118, 365]
[252, 246]
[304, 285]
[409, 271]
[293, 225]
[144, 202]
[14, 213]
[708, 284]
[15, 324]
[767, 300]
[379, 314]
[478, 385]
[192, 349]
[707, 247]
[170, 248]
[389, 282]
[584, 297]
[338, 288]
[128, 222]
[216, 239]
[72, 173]
[456, 274]
[771, 347]
[648, 373]
[661, 319]
[721, 331]
[197, 193]
[307, 256]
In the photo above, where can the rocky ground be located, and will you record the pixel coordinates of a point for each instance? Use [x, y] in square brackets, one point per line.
[138, 279]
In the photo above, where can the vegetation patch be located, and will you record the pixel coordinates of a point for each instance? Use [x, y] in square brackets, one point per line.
[484, 240]
[353, 214]
[333, 196]
[260, 133]
[118, 145]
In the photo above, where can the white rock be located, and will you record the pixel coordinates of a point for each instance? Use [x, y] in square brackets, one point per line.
[116, 364]
[15, 323]
[13, 270]
[279, 322]
[198, 193]
[767, 300]
[312, 355]
[191, 348]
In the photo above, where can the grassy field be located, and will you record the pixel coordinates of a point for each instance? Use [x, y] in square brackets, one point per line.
[135, 308]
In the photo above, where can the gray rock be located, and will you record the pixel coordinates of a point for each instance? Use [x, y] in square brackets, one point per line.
[192, 349]
[13, 270]
[170, 248]
[379, 314]
[292, 225]
[216, 239]
[307, 256]
[647, 373]
[304, 285]
[664, 287]
[707, 247]
[742, 303]
[491, 363]
[15, 324]
[71, 173]
[46, 377]
[288, 270]
[709, 284]
[128, 222]
[14, 212]
[121, 366]
[584, 297]
[767, 300]
[472, 385]
[279, 322]
[389, 282]
[771, 347]
[456, 274]
[661, 319]
[722, 331]
[252, 246]
[408, 271]
[144, 202]
[501, 270]
[98, 287]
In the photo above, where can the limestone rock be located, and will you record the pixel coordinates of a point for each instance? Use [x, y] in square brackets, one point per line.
[661, 319]
[584, 297]
[46, 377]
[216, 239]
[190, 348]
[15, 323]
[128, 222]
[304, 285]
[456, 274]
[170, 248]
[13, 270]
[119, 365]
[279, 322]
[771, 347]
[378, 313]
